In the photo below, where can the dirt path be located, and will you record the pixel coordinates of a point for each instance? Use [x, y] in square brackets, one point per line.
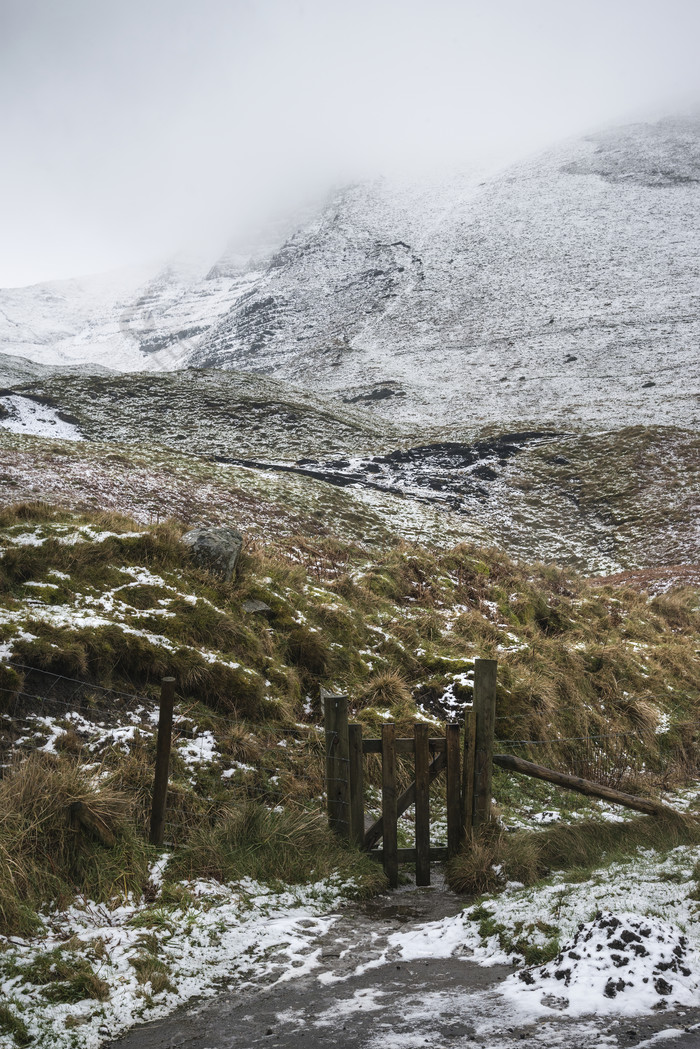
[359, 997]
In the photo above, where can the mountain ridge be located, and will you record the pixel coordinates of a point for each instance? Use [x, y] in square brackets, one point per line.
[557, 289]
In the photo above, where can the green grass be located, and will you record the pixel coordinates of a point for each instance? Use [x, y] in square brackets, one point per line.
[518, 939]
[45, 858]
[392, 630]
[496, 857]
[13, 1025]
[589, 658]
[290, 847]
[64, 979]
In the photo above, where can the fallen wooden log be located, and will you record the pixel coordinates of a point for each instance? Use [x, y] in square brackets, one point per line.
[93, 823]
[583, 786]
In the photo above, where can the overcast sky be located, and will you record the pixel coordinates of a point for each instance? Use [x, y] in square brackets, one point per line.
[132, 127]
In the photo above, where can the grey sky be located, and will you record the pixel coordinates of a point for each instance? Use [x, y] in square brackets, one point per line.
[131, 127]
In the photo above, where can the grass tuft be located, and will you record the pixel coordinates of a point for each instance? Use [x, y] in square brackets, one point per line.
[45, 857]
[292, 846]
[496, 857]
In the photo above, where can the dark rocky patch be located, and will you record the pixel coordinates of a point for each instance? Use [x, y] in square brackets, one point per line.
[448, 472]
[381, 394]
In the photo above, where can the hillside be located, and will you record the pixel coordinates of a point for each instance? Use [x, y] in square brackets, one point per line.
[94, 609]
[451, 420]
[561, 291]
[242, 448]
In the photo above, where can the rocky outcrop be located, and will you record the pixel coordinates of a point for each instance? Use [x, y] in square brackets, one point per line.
[215, 549]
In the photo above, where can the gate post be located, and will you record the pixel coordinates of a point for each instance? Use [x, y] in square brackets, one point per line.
[454, 830]
[422, 761]
[467, 812]
[357, 787]
[335, 710]
[163, 744]
[389, 806]
[485, 711]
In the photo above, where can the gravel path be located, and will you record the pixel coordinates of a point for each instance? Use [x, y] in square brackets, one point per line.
[395, 1005]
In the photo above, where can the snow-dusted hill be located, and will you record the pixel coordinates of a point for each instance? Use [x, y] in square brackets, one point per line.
[563, 289]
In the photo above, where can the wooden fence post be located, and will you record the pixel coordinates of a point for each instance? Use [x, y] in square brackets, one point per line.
[485, 710]
[160, 781]
[357, 787]
[454, 829]
[389, 803]
[467, 813]
[422, 761]
[337, 763]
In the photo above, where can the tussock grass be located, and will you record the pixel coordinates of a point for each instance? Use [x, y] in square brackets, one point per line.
[387, 689]
[292, 846]
[109, 655]
[394, 630]
[45, 857]
[496, 856]
[589, 658]
[63, 978]
[13, 1025]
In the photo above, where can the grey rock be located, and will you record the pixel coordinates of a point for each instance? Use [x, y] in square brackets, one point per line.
[255, 606]
[215, 549]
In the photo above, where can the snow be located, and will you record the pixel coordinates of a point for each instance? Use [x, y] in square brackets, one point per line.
[66, 536]
[617, 964]
[229, 933]
[630, 943]
[31, 417]
[413, 282]
[200, 750]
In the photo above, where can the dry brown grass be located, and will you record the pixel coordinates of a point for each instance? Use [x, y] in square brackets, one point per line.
[43, 854]
[496, 857]
[386, 689]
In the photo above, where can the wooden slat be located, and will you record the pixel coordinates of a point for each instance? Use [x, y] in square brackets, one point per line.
[337, 763]
[454, 830]
[357, 787]
[422, 804]
[376, 831]
[409, 855]
[485, 707]
[389, 803]
[583, 786]
[403, 745]
[160, 780]
[468, 773]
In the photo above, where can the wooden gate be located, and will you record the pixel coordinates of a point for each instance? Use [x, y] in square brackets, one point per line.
[466, 763]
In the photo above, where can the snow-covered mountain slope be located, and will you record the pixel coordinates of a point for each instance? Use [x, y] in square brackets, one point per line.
[228, 445]
[565, 289]
[559, 288]
[126, 321]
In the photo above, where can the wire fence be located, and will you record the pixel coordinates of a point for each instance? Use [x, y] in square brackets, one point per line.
[52, 712]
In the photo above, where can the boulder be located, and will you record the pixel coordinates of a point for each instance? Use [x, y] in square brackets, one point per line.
[255, 606]
[215, 549]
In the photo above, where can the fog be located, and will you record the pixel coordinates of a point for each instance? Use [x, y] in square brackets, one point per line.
[132, 128]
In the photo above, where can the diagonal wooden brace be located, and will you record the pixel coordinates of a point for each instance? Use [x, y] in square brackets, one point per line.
[408, 798]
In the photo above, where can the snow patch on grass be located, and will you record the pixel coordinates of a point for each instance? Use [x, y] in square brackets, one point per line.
[155, 957]
[625, 964]
[28, 416]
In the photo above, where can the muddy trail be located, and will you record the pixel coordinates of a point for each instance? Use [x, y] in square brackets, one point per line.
[358, 995]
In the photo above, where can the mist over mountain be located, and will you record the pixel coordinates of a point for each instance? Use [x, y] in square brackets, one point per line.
[565, 287]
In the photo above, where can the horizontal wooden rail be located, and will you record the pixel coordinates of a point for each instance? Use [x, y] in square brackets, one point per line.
[440, 852]
[403, 745]
[583, 786]
[408, 798]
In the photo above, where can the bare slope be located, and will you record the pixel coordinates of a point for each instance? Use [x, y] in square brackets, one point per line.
[228, 446]
[557, 291]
